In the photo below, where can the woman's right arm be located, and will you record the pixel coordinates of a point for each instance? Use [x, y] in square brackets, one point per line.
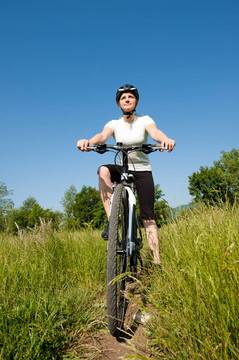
[100, 138]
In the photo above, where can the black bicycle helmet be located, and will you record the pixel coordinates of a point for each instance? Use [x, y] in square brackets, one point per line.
[127, 88]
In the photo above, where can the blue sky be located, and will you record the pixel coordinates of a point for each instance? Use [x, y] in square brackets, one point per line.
[62, 61]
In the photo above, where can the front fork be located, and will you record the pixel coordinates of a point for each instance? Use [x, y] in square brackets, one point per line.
[131, 220]
[131, 217]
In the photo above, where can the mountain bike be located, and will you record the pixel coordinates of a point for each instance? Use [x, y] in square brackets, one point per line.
[125, 237]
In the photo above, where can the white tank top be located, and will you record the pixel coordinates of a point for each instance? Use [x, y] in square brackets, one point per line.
[133, 134]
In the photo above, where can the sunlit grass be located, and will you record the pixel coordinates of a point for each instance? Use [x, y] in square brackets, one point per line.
[195, 300]
[50, 283]
[52, 288]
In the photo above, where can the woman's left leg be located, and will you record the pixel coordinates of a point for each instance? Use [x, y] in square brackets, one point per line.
[151, 231]
[145, 190]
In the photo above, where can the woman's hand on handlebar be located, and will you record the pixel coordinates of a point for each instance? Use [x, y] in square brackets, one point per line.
[83, 145]
[168, 144]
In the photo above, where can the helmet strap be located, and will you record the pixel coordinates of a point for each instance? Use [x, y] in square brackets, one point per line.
[128, 113]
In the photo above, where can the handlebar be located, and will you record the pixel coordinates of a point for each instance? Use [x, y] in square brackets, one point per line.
[146, 148]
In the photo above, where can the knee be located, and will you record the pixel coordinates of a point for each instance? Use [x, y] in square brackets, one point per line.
[103, 172]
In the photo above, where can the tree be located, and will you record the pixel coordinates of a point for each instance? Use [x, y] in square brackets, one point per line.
[28, 203]
[6, 204]
[30, 215]
[219, 182]
[88, 208]
[229, 163]
[68, 203]
[83, 208]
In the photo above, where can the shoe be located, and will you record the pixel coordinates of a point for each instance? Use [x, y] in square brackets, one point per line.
[105, 233]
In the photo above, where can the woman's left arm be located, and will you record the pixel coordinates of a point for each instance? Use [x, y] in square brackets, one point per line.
[160, 137]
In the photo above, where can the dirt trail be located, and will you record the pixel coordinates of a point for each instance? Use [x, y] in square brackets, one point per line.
[106, 347]
[109, 348]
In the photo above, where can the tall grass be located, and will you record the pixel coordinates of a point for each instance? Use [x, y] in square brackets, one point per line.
[195, 300]
[52, 290]
[50, 286]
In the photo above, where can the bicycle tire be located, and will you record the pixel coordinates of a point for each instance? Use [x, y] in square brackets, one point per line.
[135, 258]
[117, 260]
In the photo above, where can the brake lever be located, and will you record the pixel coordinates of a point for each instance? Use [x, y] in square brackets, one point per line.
[99, 148]
[147, 148]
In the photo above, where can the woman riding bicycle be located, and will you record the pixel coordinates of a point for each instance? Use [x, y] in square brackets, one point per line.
[131, 129]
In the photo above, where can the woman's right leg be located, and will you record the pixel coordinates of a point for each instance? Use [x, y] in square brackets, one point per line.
[105, 188]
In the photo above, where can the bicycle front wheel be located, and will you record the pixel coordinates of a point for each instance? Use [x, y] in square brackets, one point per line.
[117, 260]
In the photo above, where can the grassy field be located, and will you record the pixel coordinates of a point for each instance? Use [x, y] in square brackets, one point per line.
[53, 290]
[194, 304]
[51, 286]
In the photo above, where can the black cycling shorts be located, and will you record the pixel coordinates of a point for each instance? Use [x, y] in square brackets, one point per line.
[144, 186]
